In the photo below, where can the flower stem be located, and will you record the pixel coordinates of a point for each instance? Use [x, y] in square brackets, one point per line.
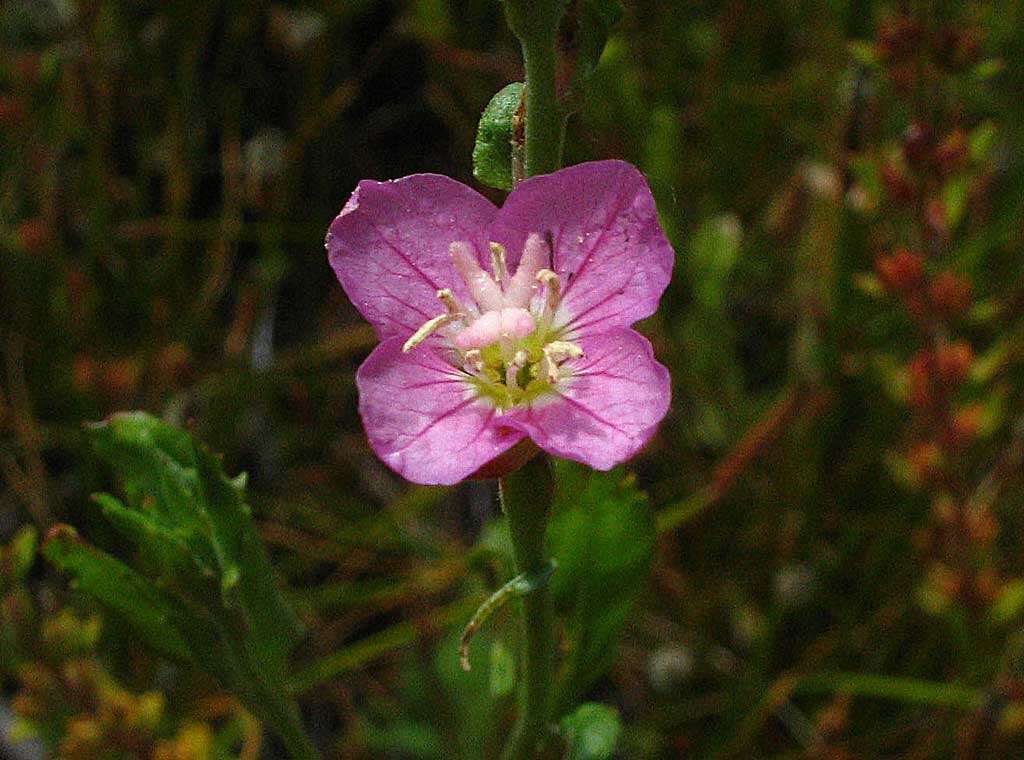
[526, 500]
[536, 25]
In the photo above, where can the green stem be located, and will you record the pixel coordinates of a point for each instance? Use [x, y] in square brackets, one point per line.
[545, 121]
[526, 499]
[535, 23]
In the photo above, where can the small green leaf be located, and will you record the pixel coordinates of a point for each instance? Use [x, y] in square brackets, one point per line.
[492, 154]
[591, 732]
[150, 612]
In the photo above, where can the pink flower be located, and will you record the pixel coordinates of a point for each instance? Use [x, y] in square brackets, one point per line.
[502, 324]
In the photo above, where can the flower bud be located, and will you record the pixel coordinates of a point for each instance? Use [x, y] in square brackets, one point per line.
[901, 271]
[950, 294]
[953, 362]
[964, 426]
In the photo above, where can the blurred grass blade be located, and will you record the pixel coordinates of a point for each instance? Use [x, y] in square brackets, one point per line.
[899, 689]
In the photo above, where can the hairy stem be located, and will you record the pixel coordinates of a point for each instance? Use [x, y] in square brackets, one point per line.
[526, 499]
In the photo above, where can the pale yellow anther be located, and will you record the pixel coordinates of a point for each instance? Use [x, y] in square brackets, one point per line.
[556, 352]
[428, 328]
[499, 263]
[562, 350]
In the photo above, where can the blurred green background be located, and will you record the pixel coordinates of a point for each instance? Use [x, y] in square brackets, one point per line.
[828, 563]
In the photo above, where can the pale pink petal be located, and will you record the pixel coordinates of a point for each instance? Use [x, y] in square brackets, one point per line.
[481, 285]
[523, 284]
[608, 247]
[492, 326]
[608, 410]
[423, 419]
[389, 247]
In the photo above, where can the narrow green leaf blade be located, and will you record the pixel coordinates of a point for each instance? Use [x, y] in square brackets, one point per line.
[149, 611]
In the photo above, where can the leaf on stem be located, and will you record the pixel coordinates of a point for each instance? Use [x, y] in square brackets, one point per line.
[496, 138]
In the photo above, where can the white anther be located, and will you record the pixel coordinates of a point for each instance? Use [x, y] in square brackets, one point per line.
[473, 361]
[562, 350]
[556, 352]
[499, 263]
[428, 328]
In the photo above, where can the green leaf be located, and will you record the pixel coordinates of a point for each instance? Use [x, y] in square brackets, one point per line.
[274, 628]
[492, 153]
[602, 534]
[165, 548]
[186, 515]
[154, 615]
[594, 22]
[591, 732]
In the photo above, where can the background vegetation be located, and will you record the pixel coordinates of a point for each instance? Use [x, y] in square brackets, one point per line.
[821, 553]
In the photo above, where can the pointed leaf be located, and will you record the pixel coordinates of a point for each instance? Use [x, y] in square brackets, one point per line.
[151, 613]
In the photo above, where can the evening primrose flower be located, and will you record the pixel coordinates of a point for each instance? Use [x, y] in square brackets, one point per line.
[500, 326]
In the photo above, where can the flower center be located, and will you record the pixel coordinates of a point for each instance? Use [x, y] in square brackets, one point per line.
[504, 339]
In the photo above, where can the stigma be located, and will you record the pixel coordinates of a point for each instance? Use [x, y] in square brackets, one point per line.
[504, 339]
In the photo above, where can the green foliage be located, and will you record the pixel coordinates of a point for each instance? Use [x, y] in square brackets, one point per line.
[493, 152]
[212, 600]
[602, 535]
[594, 21]
[591, 732]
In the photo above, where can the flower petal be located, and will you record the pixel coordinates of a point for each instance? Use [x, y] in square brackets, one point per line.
[608, 247]
[389, 247]
[608, 410]
[423, 419]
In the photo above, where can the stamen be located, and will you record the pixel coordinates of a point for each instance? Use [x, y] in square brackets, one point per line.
[474, 361]
[451, 303]
[428, 328]
[556, 352]
[499, 263]
[484, 290]
[513, 368]
[562, 350]
[554, 288]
